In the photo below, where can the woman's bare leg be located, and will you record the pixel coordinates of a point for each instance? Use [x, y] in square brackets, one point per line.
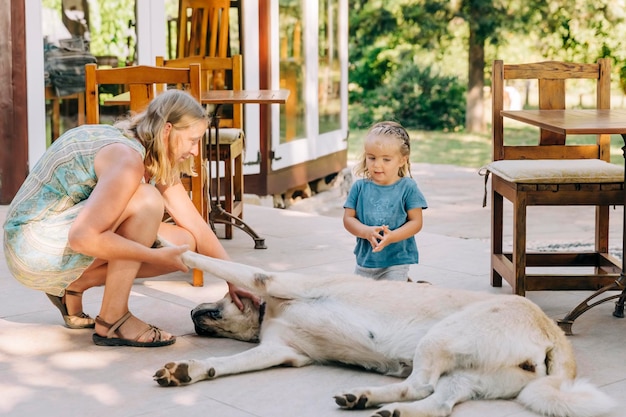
[95, 275]
[139, 222]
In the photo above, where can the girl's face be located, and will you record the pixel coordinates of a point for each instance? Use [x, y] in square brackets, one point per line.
[185, 141]
[383, 159]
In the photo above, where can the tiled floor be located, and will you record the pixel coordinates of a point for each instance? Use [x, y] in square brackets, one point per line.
[53, 371]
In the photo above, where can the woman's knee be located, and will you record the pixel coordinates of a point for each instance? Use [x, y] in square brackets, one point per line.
[176, 235]
[147, 201]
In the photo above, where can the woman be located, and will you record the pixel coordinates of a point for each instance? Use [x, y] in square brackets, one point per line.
[87, 215]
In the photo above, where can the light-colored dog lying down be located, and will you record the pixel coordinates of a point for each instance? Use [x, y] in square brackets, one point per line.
[451, 345]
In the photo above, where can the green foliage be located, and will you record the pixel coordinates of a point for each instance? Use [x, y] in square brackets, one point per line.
[416, 98]
[471, 150]
[112, 25]
[112, 29]
[384, 33]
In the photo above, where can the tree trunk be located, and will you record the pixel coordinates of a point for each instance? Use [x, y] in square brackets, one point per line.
[475, 112]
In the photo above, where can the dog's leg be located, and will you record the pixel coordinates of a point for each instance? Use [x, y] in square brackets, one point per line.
[432, 359]
[420, 384]
[261, 357]
[460, 386]
[239, 274]
[233, 272]
[450, 390]
[368, 397]
[407, 399]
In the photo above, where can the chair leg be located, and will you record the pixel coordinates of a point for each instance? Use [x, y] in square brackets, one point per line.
[81, 108]
[602, 229]
[496, 235]
[238, 182]
[519, 245]
[228, 191]
[601, 234]
[198, 278]
[56, 118]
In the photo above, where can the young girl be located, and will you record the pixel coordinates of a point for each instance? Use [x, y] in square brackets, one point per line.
[384, 208]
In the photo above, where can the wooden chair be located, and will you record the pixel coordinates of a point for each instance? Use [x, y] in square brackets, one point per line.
[203, 28]
[55, 114]
[223, 73]
[532, 176]
[143, 84]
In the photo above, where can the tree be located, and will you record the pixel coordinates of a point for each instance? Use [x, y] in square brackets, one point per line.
[486, 20]
[563, 29]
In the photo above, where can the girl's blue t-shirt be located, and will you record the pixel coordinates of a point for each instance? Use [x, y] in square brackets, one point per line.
[378, 205]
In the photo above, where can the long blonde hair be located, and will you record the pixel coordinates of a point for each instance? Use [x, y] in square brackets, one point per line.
[391, 130]
[176, 107]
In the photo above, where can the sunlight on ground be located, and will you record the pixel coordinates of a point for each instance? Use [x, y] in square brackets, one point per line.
[25, 340]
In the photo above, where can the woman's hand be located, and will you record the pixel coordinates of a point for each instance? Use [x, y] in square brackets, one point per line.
[236, 293]
[171, 257]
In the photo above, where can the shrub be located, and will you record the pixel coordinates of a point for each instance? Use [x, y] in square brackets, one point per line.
[414, 97]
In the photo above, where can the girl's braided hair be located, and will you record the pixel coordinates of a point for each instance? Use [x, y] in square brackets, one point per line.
[389, 129]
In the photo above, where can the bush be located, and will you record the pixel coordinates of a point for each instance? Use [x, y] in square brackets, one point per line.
[416, 98]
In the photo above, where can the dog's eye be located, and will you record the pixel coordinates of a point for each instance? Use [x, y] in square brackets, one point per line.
[214, 314]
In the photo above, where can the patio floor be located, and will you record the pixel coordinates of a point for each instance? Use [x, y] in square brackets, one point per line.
[54, 371]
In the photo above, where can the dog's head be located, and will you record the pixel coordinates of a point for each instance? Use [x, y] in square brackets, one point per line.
[224, 319]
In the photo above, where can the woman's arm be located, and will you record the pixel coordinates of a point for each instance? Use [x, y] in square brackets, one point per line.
[180, 207]
[119, 171]
[185, 215]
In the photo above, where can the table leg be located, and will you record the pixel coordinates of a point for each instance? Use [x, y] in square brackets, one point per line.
[217, 213]
[620, 284]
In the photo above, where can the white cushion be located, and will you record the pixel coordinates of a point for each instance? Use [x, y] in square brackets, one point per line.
[227, 134]
[552, 171]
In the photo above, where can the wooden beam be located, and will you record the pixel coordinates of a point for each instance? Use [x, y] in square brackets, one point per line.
[13, 101]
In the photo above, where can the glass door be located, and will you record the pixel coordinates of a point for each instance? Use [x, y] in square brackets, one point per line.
[312, 63]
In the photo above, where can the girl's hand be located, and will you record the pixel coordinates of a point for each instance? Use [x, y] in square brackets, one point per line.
[375, 235]
[236, 293]
[385, 238]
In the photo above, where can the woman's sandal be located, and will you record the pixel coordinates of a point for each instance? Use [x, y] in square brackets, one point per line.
[78, 321]
[113, 337]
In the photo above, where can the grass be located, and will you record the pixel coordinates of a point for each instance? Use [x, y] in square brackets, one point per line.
[471, 150]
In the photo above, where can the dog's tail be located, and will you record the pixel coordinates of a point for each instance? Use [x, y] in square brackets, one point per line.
[559, 393]
[561, 397]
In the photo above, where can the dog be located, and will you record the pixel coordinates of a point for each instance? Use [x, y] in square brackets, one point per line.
[449, 345]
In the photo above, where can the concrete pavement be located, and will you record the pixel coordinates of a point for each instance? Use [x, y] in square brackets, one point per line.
[53, 371]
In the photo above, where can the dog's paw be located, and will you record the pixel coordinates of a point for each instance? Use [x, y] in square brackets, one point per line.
[174, 374]
[351, 401]
[386, 413]
[409, 409]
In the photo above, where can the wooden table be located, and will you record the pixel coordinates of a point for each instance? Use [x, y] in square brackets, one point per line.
[577, 122]
[218, 98]
[573, 122]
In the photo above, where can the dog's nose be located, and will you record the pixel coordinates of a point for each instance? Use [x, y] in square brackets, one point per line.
[213, 313]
